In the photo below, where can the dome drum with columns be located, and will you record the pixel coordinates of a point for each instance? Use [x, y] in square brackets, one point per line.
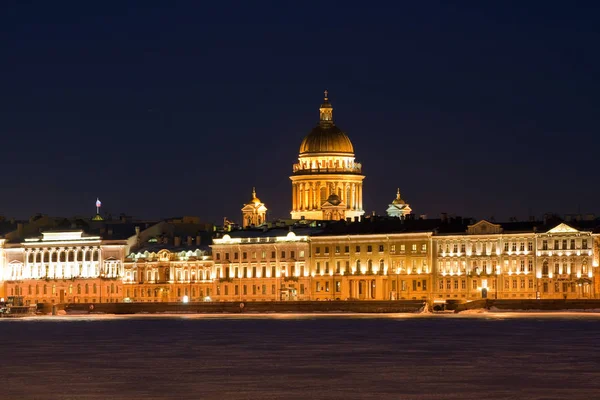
[326, 181]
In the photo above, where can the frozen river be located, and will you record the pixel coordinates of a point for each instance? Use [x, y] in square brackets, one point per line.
[487, 356]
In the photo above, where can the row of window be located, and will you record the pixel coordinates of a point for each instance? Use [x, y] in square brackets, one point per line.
[263, 255]
[80, 289]
[557, 244]
[381, 248]
[63, 256]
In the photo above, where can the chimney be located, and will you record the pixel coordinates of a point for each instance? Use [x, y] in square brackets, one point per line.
[356, 219]
[137, 231]
[189, 240]
[20, 230]
[198, 240]
[177, 241]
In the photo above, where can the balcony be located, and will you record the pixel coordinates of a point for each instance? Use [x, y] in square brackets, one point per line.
[300, 169]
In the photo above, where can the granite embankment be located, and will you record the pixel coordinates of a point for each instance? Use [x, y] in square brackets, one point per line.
[399, 306]
[530, 305]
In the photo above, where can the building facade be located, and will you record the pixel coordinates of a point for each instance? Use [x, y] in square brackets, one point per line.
[64, 267]
[168, 276]
[308, 262]
[271, 265]
[488, 262]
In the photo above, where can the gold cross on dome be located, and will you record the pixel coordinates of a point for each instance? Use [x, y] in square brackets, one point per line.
[326, 93]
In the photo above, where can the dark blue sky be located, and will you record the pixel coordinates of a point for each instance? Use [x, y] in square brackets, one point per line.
[179, 108]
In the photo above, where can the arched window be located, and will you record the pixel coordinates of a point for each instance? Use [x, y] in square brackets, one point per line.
[370, 266]
[38, 257]
[54, 256]
[96, 255]
[80, 255]
[87, 288]
[381, 266]
[78, 288]
[31, 257]
[358, 266]
[63, 256]
[71, 255]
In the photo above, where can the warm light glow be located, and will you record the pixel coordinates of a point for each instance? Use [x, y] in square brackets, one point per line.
[186, 299]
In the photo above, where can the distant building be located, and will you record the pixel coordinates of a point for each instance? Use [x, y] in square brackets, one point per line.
[254, 213]
[399, 208]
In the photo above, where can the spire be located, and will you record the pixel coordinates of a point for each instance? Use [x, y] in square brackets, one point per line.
[398, 194]
[326, 111]
[253, 192]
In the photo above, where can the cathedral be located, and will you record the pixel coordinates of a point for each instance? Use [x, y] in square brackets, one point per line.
[327, 182]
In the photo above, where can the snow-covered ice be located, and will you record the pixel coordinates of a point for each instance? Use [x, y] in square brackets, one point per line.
[298, 356]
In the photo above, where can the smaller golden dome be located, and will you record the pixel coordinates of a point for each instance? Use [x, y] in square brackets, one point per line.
[398, 199]
[255, 199]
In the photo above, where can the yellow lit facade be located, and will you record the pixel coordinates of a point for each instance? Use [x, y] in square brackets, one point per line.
[168, 276]
[490, 263]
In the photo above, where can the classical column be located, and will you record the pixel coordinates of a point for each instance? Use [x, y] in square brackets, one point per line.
[311, 195]
[360, 205]
[294, 207]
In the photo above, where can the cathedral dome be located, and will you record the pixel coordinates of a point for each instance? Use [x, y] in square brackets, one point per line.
[326, 137]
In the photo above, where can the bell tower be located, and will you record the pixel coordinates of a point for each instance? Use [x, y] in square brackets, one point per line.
[254, 213]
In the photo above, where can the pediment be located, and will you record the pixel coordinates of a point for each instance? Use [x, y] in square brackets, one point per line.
[483, 227]
[563, 228]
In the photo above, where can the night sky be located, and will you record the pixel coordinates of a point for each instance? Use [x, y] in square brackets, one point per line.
[179, 108]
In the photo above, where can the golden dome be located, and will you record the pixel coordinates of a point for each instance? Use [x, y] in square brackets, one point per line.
[398, 199]
[255, 199]
[326, 140]
[326, 137]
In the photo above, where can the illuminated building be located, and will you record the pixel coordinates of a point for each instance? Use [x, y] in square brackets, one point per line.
[326, 181]
[398, 208]
[168, 276]
[64, 267]
[491, 261]
[371, 266]
[262, 265]
[254, 213]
